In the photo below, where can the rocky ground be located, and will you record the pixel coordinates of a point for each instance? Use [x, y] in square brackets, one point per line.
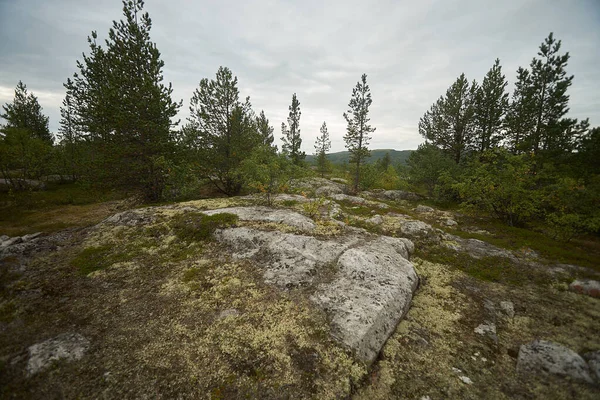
[322, 295]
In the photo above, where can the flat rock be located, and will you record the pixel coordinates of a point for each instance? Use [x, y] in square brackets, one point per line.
[450, 222]
[544, 357]
[358, 200]
[416, 229]
[266, 214]
[476, 248]
[424, 209]
[507, 308]
[397, 195]
[130, 218]
[329, 190]
[66, 346]
[376, 220]
[586, 286]
[364, 283]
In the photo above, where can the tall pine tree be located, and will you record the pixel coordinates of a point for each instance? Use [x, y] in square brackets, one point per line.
[358, 128]
[491, 104]
[322, 146]
[265, 130]
[291, 134]
[450, 123]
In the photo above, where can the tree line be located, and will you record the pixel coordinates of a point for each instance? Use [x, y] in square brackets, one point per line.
[117, 125]
[519, 157]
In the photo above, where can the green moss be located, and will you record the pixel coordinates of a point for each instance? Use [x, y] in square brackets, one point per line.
[96, 258]
[195, 226]
[289, 203]
[8, 310]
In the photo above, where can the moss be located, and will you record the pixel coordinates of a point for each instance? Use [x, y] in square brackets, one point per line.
[195, 226]
[8, 310]
[97, 258]
[289, 203]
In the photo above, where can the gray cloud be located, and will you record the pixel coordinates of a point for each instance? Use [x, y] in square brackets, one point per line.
[412, 51]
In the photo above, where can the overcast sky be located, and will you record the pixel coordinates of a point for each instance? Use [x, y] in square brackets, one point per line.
[411, 51]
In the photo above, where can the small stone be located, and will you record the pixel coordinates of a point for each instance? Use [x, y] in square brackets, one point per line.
[424, 209]
[450, 222]
[508, 308]
[230, 312]
[67, 346]
[544, 357]
[466, 380]
[456, 370]
[376, 220]
[425, 398]
[586, 286]
[485, 329]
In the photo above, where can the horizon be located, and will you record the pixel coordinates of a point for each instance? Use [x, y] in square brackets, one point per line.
[411, 54]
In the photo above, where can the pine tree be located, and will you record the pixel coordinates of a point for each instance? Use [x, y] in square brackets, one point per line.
[450, 123]
[69, 133]
[491, 104]
[25, 112]
[291, 134]
[123, 108]
[265, 130]
[540, 103]
[223, 129]
[322, 146]
[358, 128]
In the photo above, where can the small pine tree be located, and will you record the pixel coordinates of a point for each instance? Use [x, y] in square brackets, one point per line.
[322, 146]
[358, 128]
[291, 134]
[265, 131]
[25, 112]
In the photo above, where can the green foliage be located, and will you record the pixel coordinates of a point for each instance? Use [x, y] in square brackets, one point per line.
[291, 134]
[21, 151]
[267, 172]
[96, 258]
[322, 146]
[221, 132]
[197, 227]
[398, 157]
[358, 128]
[491, 104]
[314, 207]
[119, 105]
[450, 122]
[426, 165]
[25, 113]
[502, 185]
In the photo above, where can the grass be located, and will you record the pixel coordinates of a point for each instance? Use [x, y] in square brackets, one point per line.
[58, 207]
[96, 258]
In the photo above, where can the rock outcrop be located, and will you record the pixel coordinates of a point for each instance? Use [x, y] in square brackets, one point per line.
[363, 282]
[66, 346]
[586, 286]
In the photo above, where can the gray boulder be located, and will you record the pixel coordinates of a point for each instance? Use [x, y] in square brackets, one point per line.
[424, 209]
[544, 357]
[66, 346]
[364, 283]
[358, 200]
[397, 195]
[417, 229]
[586, 286]
[328, 190]
[507, 308]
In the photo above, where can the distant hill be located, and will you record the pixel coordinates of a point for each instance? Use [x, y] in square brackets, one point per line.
[397, 156]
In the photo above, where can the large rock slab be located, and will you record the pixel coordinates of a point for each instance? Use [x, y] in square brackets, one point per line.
[544, 357]
[358, 200]
[266, 214]
[66, 346]
[364, 283]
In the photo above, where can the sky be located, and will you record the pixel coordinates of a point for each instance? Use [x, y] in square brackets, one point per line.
[411, 51]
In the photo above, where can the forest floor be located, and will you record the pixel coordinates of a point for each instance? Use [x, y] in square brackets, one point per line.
[166, 317]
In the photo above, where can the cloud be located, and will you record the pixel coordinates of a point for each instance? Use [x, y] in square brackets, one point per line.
[411, 51]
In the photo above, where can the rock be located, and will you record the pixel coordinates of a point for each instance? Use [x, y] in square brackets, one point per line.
[507, 308]
[417, 229]
[368, 297]
[544, 357]
[487, 329]
[593, 360]
[10, 242]
[266, 214]
[328, 190]
[586, 286]
[31, 236]
[425, 398]
[312, 183]
[376, 220]
[476, 248]
[450, 222]
[129, 218]
[230, 312]
[369, 280]
[7, 184]
[290, 197]
[465, 379]
[4, 238]
[66, 346]
[358, 200]
[339, 180]
[397, 195]
[424, 209]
